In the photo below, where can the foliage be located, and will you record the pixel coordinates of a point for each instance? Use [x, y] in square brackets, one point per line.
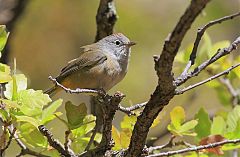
[26, 109]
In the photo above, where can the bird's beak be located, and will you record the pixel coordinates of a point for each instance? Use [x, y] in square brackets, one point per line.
[131, 43]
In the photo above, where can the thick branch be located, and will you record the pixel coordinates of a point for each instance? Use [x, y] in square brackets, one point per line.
[207, 80]
[197, 148]
[106, 19]
[165, 89]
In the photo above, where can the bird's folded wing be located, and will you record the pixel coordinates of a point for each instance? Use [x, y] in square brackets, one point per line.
[86, 61]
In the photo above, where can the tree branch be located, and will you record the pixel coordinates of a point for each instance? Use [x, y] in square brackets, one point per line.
[197, 148]
[106, 18]
[220, 53]
[200, 33]
[78, 90]
[178, 92]
[164, 92]
[234, 93]
[55, 143]
[168, 144]
[128, 110]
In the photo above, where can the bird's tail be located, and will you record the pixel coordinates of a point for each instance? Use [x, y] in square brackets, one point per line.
[51, 91]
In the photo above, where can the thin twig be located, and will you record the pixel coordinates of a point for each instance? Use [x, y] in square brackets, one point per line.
[168, 144]
[178, 92]
[128, 110]
[200, 33]
[95, 130]
[220, 53]
[9, 141]
[232, 91]
[197, 148]
[67, 143]
[55, 143]
[78, 90]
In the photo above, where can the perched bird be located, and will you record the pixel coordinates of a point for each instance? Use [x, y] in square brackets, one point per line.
[100, 65]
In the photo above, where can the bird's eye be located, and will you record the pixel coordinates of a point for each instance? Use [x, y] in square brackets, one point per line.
[117, 42]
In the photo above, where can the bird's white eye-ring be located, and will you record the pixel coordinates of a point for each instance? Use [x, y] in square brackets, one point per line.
[117, 42]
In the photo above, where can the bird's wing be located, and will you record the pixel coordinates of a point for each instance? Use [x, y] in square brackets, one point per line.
[87, 59]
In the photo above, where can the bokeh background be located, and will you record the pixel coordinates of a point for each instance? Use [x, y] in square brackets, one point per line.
[49, 34]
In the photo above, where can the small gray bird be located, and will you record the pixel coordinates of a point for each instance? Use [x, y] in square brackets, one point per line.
[100, 65]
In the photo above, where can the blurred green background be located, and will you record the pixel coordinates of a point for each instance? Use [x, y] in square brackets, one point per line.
[50, 33]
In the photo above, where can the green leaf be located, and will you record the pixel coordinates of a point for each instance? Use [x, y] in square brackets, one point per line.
[3, 36]
[27, 119]
[32, 102]
[177, 116]
[98, 138]
[5, 73]
[75, 114]
[21, 84]
[125, 136]
[233, 135]
[204, 124]
[32, 136]
[218, 126]
[188, 126]
[116, 139]
[128, 122]
[47, 113]
[233, 118]
[89, 122]
[185, 129]
[4, 115]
